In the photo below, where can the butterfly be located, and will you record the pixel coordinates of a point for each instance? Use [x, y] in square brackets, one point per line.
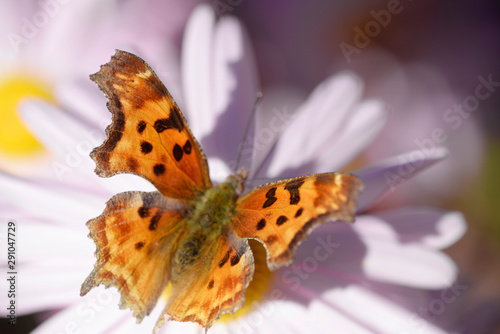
[190, 234]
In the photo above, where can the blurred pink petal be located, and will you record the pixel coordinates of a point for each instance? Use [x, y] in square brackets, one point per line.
[95, 313]
[381, 178]
[365, 123]
[196, 65]
[79, 97]
[326, 113]
[430, 227]
[219, 82]
[72, 141]
[59, 286]
[48, 201]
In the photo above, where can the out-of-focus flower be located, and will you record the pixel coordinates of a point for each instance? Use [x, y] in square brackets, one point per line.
[407, 53]
[359, 278]
[418, 95]
[48, 42]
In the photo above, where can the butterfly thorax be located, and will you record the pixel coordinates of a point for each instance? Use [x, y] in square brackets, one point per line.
[209, 218]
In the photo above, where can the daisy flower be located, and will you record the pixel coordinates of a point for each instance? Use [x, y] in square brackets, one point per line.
[366, 277]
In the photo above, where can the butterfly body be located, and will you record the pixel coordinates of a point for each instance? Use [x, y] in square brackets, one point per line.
[208, 219]
[190, 234]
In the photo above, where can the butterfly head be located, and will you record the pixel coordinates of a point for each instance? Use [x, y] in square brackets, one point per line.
[236, 182]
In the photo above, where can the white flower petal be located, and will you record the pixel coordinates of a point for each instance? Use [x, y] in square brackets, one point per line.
[181, 327]
[234, 89]
[330, 319]
[318, 119]
[196, 71]
[429, 227]
[58, 131]
[369, 248]
[72, 28]
[97, 312]
[365, 123]
[51, 203]
[219, 170]
[84, 98]
[376, 312]
[271, 118]
[409, 265]
[61, 281]
[58, 242]
[302, 310]
[72, 142]
[383, 177]
[290, 315]
[219, 82]
[149, 322]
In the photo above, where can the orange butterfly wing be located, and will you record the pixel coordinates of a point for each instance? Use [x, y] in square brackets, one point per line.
[213, 286]
[149, 135]
[283, 213]
[136, 237]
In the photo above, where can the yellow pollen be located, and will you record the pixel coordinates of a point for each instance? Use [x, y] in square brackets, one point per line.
[15, 139]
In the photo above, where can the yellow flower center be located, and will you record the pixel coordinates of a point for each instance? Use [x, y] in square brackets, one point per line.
[15, 139]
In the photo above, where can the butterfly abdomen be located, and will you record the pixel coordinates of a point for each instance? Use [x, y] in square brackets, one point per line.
[189, 251]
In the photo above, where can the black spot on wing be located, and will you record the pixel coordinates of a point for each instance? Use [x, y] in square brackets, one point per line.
[141, 126]
[225, 259]
[159, 169]
[154, 222]
[293, 188]
[178, 152]
[271, 198]
[143, 212]
[187, 147]
[173, 121]
[281, 220]
[299, 212]
[235, 259]
[261, 224]
[146, 147]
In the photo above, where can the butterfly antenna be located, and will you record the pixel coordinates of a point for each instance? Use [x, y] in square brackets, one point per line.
[247, 130]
